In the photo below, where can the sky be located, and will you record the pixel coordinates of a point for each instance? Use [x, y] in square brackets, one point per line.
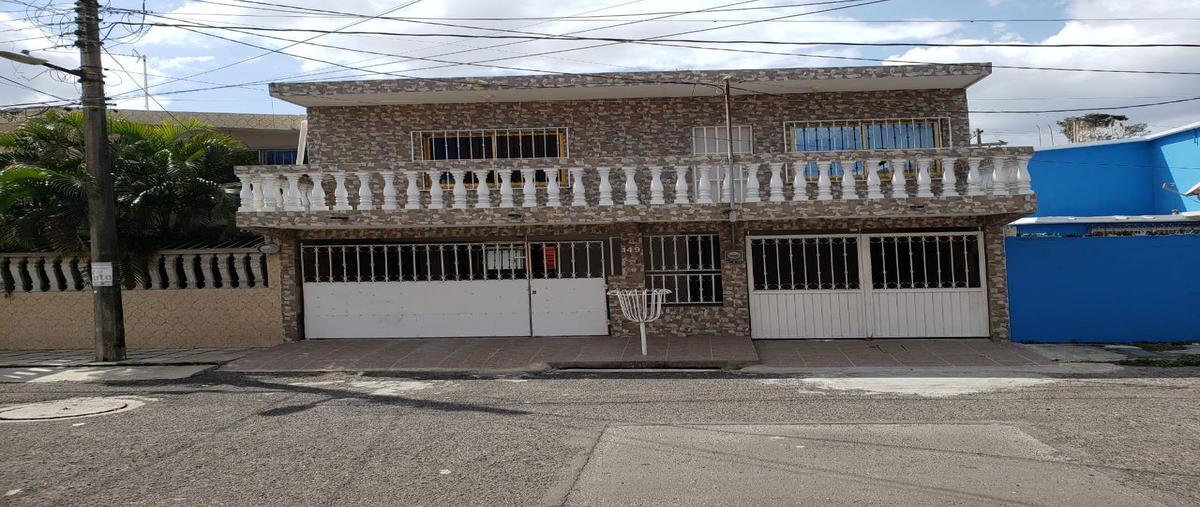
[201, 68]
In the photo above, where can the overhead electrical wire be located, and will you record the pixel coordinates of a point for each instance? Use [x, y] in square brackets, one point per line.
[665, 44]
[606, 17]
[296, 43]
[467, 63]
[626, 40]
[669, 43]
[30, 88]
[1108, 108]
[407, 58]
[859, 3]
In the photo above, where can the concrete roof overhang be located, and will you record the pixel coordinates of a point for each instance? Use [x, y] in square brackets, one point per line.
[556, 87]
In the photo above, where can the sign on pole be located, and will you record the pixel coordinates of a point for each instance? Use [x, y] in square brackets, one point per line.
[102, 274]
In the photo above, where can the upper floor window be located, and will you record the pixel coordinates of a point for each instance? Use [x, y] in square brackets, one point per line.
[476, 144]
[277, 157]
[715, 140]
[882, 134]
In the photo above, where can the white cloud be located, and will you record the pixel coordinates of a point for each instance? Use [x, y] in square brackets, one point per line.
[183, 62]
[1009, 89]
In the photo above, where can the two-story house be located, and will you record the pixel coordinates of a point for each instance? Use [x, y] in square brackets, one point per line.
[802, 203]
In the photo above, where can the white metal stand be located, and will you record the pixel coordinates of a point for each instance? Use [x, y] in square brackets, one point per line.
[641, 306]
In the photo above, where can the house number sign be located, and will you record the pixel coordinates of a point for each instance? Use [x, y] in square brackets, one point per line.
[102, 274]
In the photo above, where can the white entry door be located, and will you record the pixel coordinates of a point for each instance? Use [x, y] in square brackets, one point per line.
[868, 285]
[568, 307]
[567, 288]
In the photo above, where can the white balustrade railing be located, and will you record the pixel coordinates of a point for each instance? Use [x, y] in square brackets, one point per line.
[169, 269]
[820, 177]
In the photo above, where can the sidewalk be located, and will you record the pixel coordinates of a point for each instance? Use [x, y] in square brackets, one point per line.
[498, 354]
[135, 357]
[18, 366]
[602, 352]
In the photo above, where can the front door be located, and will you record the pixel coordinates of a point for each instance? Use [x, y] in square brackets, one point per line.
[567, 289]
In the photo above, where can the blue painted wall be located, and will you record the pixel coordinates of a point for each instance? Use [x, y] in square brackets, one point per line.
[1177, 160]
[1093, 180]
[1066, 286]
[1104, 289]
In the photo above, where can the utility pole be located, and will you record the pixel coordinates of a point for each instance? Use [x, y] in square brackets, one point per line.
[102, 223]
[145, 80]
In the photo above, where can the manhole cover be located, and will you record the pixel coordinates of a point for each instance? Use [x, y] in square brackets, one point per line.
[63, 409]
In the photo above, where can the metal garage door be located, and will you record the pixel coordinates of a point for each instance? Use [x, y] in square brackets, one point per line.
[868, 285]
[455, 289]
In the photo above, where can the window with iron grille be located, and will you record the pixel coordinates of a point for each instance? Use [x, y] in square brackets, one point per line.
[443, 262]
[689, 265]
[484, 144]
[715, 140]
[277, 157]
[863, 134]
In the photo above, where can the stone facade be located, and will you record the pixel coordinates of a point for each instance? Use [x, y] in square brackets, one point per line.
[617, 128]
[731, 317]
[640, 133]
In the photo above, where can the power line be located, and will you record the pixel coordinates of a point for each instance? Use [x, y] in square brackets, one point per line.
[917, 62]
[494, 47]
[292, 9]
[624, 40]
[607, 17]
[449, 64]
[455, 82]
[474, 63]
[134, 80]
[642, 41]
[296, 43]
[30, 88]
[55, 103]
[1077, 110]
[1132, 106]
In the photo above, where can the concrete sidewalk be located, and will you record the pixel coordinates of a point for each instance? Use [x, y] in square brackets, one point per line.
[602, 352]
[134, 357]
[499, 354]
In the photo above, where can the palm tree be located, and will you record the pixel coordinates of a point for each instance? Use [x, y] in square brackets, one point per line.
[168, 180]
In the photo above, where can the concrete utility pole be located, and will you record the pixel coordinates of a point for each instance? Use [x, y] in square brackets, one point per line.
[145, 80]
[106, 273]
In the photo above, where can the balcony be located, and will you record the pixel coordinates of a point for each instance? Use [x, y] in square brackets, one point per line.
[875, 183]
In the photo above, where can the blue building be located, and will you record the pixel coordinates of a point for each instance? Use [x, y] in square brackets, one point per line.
[1111, 254]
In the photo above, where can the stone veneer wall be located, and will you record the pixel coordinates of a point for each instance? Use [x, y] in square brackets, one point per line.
[732, 317]
[617, 127]
[180, 318]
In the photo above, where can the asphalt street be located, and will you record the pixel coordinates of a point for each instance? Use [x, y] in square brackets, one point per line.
[1130, 437]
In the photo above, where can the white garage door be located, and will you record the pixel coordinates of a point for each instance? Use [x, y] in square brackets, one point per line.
[455, 289]
[868, 285]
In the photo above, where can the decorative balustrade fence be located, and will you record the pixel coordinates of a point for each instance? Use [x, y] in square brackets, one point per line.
[240, 268]
[669, 181]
